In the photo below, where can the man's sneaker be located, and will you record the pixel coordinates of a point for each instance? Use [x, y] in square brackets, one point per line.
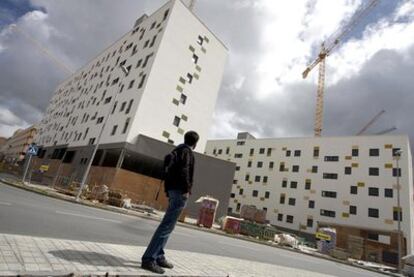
[152, 266]
[164, 263]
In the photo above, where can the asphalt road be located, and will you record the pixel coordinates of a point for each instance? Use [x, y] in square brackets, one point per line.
[27, 213]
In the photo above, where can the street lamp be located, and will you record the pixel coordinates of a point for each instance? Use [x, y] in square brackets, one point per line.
[95, 149]
[397, 156]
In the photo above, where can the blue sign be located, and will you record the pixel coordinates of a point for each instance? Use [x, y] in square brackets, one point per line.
[32, 150]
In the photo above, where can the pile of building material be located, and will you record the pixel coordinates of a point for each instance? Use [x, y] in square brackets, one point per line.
[100, 193]
[115, 198]
[251, 213]
[286, 240]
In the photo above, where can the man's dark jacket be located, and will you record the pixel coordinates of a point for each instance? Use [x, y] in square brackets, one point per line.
[180, 176]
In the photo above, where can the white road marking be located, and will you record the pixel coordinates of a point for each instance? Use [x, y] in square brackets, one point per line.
[237, 245]
[5, 203]
[87, 216]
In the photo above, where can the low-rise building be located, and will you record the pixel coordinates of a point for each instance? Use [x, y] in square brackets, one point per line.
[14, 149]
[348, 183]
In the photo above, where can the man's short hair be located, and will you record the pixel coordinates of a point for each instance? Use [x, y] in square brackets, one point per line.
[191, 138]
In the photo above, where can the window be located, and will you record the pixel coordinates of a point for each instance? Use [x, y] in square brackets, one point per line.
[295, 168]
[114, 130]
[141, 83]
[153, 41]
[257, 178]
[373, 236]
[237, 168]
[255, 193]
[114, 107]
[241, 192]
[315, 152]
[115, 81]
[249, 164]
[247, 177]
[139, 63]
[165, 15]
[354, 190]
[183, 99]
[269, 152]
[330, 176]
[238, 155]
[348, 170]
[92, 141]
[331, 158]
[373, 171]
[259, 164]
[282, 199]
[289, 218]
[374, 152]
[123, 106]
[297, 153]
[284, 183]
[282, 167]
[264, 179]
[267, 194]
[147, 59]
[352, 210]
[292, 201]
[238, 207]
[397, 214]
[195, 58]
[271, 165]
[251, 151]
[131, 84]
[329, 194]
[146, 43]
[279, 217]
[200, 40]
[261, 151]
[307, 184]
[232, 195]
[288, 153]
[176, 121]
[388, 193]
[129, 106]
[293, 184]
[373, 191]
[126, 125]
[99, 120]
[189, 78]
[327, 213]
[68, 158]
[373, 212]
[355, 152]
[314, 169]
[394, 152]
[396, 172]
[309, 223]
[311, 204]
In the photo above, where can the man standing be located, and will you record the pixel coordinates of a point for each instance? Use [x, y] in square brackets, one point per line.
[179, 167]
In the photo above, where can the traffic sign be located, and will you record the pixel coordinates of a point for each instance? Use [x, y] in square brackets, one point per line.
[32, 150]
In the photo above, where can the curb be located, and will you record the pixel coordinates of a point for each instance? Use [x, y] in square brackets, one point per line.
[89, 274]
[189, 226]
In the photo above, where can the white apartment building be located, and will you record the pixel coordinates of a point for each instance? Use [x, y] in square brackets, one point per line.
[175, 68]
[303, 183]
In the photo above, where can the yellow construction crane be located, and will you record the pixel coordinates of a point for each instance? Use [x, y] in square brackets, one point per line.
[326, 49]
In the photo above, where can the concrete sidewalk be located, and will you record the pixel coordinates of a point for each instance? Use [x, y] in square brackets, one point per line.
[24, 255]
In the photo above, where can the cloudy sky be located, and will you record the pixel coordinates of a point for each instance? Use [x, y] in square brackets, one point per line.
[270, 43]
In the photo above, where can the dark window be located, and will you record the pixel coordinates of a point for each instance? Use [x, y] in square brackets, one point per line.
[165, 15]
[141, 83]
[200, 40]
[267, 194]
[69, 157]
[271, 164]
[279, 217]
[396, 214]
[232, 195]
[354, 190]
[331, 158]
[107, 100]
[295, 168]
[293, 184]
[307, 184]
[297, 153]
[249, 164]
[328, 213]
[255, 193]
[311, 204]
[264, 179]
[373, 191]
[111, 157]
[269, 152]
[329, 194]
[183, 98]
[251, 151]
[355, 152]
[98, 157]
[238, 207]
[114, 130]
[372, 236]
[247, 177]
[330, 176]
[352, 209]
[176, 121]
[238, 155]
[289, 218]
[314, 169]
[259, 164]
[129, 106]
[373, 212]
[396, 172]
[227, 150]
[282, 199]
[348, 170]
[316, 152]
[374, 152]
[284, 183]
[189, 78]
[394, 152]
[373, 171]
[261, 151]
[237, 168]
[388, 193]
[257, 178]
[195, 58]
[292, 201]
[220, 151]
[241, 192]
[309, 223]
[240, 143]
[288, 152]
[282, 167]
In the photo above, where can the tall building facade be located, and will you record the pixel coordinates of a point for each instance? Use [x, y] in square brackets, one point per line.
[349, 183]
[14, 149]
[175, 68]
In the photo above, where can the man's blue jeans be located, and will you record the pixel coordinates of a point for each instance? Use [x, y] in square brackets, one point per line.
[155, 250]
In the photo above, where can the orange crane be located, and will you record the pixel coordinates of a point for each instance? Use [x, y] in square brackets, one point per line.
[326, 49]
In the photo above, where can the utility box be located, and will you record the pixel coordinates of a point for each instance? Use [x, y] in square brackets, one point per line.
[207, 211]
[231, 224]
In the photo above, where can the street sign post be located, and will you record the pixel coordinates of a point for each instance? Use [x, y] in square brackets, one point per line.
[31, 151]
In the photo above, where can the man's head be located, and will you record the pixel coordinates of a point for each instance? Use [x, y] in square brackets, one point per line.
[191, 139]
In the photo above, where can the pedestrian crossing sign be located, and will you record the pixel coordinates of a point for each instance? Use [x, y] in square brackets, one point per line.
[32, 150]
